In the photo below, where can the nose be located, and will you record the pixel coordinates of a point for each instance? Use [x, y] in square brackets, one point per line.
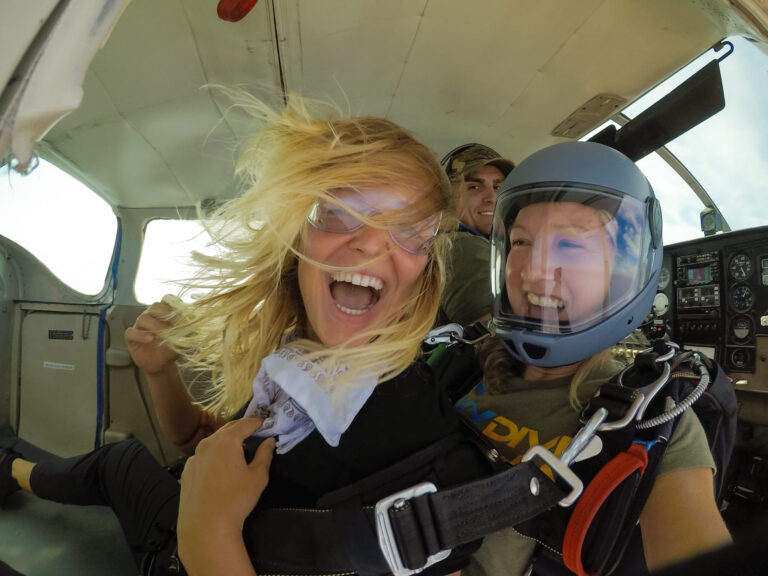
[539, 263]
[369, 240]
[489, 194]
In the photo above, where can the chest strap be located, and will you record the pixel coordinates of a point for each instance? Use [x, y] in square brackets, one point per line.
[403, 533]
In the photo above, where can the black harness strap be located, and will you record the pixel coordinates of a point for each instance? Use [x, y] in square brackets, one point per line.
[467, 513]
[346, 539]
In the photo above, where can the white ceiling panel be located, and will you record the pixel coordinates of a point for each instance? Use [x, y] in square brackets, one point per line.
[503, 72]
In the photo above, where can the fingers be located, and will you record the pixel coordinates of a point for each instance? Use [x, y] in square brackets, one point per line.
[154, 319]
[264, 453]
[171, 300]
[243, 427]
[133, 334]
[227, 444]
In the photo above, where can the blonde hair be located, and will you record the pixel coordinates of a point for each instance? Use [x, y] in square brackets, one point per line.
[251, 301]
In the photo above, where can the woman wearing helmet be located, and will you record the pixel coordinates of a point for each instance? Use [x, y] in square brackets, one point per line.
[576, 251]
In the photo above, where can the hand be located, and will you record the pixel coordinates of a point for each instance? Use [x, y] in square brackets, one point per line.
[218, 487]
[218, 490]
[143, 339]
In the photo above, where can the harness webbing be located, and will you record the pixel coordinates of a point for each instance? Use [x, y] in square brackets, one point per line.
[340, 539]
[634, 460]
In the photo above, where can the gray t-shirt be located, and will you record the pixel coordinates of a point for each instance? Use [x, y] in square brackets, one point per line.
[467, 294]
[531, 413]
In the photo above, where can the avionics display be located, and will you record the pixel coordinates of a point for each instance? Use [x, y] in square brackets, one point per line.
[698, 269]
[699, 275]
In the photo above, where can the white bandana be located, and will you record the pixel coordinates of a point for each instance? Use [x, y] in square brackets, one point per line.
[287, 396]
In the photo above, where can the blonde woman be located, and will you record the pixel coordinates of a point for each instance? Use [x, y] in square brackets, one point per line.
[327, 276]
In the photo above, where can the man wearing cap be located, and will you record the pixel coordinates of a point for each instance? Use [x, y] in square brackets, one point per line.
[476, 172]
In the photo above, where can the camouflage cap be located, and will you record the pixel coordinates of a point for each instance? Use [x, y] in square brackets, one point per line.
[463, 160]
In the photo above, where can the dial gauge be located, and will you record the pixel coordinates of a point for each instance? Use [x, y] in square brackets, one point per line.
[664, 278]
[740, 267]
[742, 328]
[742, 298]
[740, 358]
[660, 304]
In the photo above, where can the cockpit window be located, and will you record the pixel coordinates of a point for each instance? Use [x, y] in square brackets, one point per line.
[62, 222]
[726, 154]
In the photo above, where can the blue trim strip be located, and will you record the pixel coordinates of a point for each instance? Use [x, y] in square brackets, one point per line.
[100, 377]
[100, 367]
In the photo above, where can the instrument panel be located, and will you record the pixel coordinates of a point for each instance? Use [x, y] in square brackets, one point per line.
[713, 295]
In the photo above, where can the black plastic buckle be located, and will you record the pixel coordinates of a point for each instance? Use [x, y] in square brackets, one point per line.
[387, 541]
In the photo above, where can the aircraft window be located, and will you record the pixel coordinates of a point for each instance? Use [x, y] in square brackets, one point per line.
[63, 223]
[728, 153]
[679, 205]
[165, 257]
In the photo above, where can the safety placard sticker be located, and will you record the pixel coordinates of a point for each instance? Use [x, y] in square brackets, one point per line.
[59, 366]
[61, 334]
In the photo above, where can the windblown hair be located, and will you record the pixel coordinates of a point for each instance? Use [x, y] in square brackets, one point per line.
[251, 303]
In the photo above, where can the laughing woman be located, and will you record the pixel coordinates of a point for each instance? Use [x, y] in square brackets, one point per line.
[327, 275]
[576, 252]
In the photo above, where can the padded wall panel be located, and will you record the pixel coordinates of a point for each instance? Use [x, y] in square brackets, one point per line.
[131, 411]
[58, 389]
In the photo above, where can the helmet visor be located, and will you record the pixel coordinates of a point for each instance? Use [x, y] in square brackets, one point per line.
[563, 258]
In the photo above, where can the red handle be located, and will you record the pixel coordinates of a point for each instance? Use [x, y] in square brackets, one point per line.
[234, 10]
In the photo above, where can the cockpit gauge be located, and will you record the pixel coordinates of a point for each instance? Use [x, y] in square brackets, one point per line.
[664, 279]
[742, 298]
[660, 304]
[740, 358]
[742, 328]
[740, 267]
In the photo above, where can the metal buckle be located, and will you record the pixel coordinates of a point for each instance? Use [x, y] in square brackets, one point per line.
[560, 465]
[447, 334]
[450, 334]
[645, 394]
[562, 470]
[387, 542]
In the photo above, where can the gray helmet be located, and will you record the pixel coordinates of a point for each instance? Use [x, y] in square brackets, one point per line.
[576, 252]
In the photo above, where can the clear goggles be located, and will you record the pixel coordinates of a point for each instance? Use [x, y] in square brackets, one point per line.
[342, 217]
[563, 259]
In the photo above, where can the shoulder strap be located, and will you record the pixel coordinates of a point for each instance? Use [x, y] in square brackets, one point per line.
[453, 360]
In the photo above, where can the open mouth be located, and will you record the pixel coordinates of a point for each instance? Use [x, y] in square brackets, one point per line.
[545, 301]
[355, 293]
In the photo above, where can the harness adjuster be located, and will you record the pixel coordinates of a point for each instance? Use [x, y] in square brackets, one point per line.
[575, 447]
[387, 539]
[449, 334]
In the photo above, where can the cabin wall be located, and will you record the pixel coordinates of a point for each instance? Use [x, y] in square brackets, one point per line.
[67, 381]
[9, 291]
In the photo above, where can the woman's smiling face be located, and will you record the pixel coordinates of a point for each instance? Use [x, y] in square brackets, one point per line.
[559, 265]
[379, 276]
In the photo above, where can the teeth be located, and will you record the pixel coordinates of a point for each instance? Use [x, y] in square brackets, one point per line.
[351, 311]
[358, 280]
[545, 301]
